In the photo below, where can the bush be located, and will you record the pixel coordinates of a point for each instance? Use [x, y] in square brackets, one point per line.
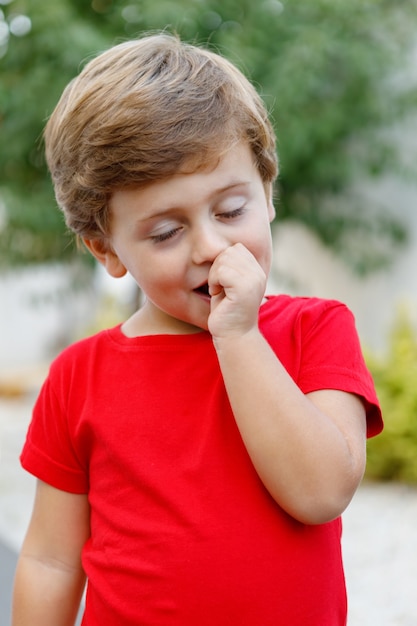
[393, 454]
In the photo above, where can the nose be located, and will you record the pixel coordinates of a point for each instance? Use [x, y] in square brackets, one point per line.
[207, 243]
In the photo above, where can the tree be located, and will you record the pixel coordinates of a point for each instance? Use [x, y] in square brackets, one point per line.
[326, 69]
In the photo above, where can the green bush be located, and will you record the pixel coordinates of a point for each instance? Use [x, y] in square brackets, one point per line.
[392, 455]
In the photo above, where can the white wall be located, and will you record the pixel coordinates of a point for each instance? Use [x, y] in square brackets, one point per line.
[39, 314]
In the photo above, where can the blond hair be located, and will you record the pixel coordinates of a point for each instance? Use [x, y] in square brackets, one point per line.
[141, 111]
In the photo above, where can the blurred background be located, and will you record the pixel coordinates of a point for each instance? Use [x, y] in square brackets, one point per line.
[340, 81]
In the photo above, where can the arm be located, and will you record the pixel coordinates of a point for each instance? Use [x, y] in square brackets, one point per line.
[49, 578]
[309, 450]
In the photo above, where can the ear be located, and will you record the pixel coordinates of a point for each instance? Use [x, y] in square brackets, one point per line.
[105, 255]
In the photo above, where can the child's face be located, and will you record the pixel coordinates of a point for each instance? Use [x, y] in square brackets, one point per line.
[168, 234]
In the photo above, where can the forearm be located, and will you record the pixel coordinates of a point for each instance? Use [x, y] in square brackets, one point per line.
[46, 594]
[304, 459]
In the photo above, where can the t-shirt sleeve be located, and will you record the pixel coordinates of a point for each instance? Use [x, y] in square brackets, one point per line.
[49, 452]
[332, 358]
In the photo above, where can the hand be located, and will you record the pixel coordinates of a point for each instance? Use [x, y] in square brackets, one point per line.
[237, 286]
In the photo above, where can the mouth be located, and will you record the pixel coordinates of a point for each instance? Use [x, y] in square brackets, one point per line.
[203, 290]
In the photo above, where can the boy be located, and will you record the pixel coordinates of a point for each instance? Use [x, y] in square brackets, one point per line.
[193, 462]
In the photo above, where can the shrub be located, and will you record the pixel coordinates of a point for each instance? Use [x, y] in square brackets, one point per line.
[393, 454]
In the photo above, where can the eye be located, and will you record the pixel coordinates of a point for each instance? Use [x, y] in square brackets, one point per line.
[165, 235]
[229, 215]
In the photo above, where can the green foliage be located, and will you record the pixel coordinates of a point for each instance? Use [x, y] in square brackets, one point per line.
[392, 455]
[33, 71]
[324, 67]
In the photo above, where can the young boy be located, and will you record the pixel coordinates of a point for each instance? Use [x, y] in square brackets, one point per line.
[193, 462]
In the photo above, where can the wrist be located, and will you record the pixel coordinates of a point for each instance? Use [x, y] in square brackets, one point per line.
[236, 340]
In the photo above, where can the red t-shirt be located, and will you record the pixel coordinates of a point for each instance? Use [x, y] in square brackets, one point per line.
[183, 532]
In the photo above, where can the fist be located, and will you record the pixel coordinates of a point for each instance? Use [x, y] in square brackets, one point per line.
[237, 286]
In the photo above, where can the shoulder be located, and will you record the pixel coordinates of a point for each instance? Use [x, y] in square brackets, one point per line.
[307, 331]
[82, 353]
[307, 311]
[284, 302]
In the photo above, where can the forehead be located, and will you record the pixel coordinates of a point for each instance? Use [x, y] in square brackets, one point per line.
[237, 157]
[209, 158]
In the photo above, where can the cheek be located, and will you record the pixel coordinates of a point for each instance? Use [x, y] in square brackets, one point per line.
[266, 261]
[159, 275]
[261, 248]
